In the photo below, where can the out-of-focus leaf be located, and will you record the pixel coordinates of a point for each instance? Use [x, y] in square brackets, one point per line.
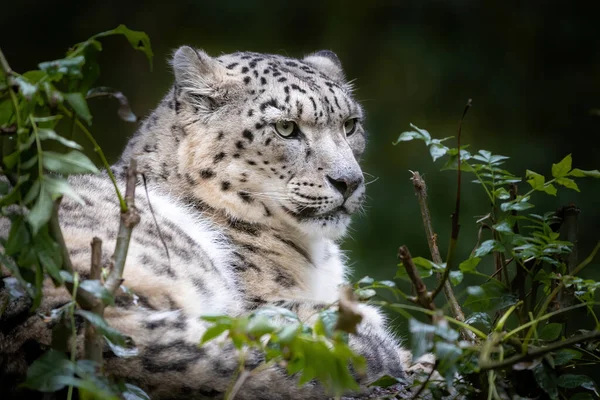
[45, 134]
[96, 288]
[133, 392]
[111, 333]
[581, 173]
[73, 162]
[551, 331]
[48, 373]
[139, 40]
[41, 211]
[421, 337]
[65, 66]
[386, 381]
[487, 247]
[469, 265]
[481, 318]
[546, 379]
[456, 277]
[124, 111]
[77, 101]
[563, 356]
[57, 187]
[571, 381]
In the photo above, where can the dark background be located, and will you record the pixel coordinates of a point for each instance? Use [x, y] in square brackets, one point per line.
[532, 69]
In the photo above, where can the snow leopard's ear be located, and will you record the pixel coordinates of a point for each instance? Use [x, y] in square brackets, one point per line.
[199, 74]
[328, 63]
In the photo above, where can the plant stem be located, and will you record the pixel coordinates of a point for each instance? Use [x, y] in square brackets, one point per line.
[423, 296]
[100, 153]
[73, 328]
[129, 219]
[421, 192]
[93, 341]
[533, 354]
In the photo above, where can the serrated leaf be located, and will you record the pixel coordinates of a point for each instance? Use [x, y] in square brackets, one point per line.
[73, 162]
[45, 134]
[576, 172]
[487, 247]
[571, 381]
[535, 180]
[139, 40]
[77, 101]
[551, 331]
[568, 183]
[99, 323]
[562, 168]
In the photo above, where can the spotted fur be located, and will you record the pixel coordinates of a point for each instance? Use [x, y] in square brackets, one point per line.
[250, 218]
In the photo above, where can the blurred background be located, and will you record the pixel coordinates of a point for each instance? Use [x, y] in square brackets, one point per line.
[532, 69]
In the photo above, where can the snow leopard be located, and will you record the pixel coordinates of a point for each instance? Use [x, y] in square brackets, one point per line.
[251, 165]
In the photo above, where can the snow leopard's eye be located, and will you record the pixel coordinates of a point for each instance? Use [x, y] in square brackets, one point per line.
[350, 126]
[286, 129]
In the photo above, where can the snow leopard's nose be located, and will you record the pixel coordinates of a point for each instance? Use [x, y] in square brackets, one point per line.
[346, 185]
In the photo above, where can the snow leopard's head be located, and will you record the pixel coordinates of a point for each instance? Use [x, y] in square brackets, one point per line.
[271, 139]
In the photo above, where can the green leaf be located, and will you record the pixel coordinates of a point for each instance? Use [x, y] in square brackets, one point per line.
[48, 373]
[571, 381]
[447, 354]
[562, 168]
[386, 381]
[73, 162]
[77, 101]
[26, 89]
[421, 337]
[367, 280]
[503, 227]
[550, 189]
[66, 66]
[45, 134]
[489, 297]
[568, 183]
[502, 194]
[546, 379]
[519, 204]
[551, 331]
[124, 110]
[139, 40]
[563, 356]
[487, 247]
[437, 150]
[49, 255]
[111, 333]
[18, 237]
[535, 180]
[365, 294]
[456, 277]
[260, 325]
[57, 187]
[581, 173]
[133, 392]
[40, 213]
[470, 264]
[480, 318]
[213, 332]
[96, 288]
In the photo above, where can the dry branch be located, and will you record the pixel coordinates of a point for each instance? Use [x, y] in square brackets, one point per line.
[423, 297]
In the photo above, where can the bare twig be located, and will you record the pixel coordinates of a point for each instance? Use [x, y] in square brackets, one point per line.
[129, 219]
[421, 192]
[423, 297]
[455, 214]
[93, 341]
[424, 385]
[533, 354]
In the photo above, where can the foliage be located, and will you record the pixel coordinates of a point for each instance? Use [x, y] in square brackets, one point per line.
[518, 281]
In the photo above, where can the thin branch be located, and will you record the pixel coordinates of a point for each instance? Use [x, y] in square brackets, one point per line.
[537, 353]
[423, 296]
[129, 219]
[424, 385]
[455, 214]
[86, 300]
[93, 341]
[421, 192]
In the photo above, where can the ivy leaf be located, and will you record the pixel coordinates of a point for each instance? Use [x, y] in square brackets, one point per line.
[551, 331]
[77, 101]
[73, 162]
[562, 168]
[568, 183]
[111, 333]
[487, 247]
[576, 172]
